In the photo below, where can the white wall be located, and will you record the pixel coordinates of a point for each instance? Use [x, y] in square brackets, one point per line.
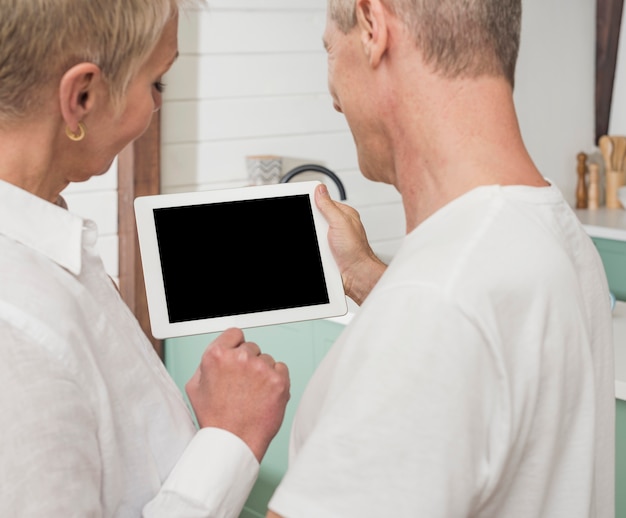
[251, 79]
[555, 88]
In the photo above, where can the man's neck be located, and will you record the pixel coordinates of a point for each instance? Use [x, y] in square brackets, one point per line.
[462, 134]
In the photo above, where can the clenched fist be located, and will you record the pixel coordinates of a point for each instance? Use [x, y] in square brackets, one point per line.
[239, 389]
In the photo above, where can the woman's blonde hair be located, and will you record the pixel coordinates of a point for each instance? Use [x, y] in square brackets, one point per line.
[459, 38]
[41, 39]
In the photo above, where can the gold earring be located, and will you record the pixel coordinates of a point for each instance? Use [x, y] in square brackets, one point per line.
[76, 136]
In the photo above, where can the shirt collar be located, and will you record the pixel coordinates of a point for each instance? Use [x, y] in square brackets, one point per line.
[41, 226]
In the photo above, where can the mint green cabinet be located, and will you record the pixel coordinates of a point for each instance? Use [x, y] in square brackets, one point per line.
[301, 346]
[613, 254]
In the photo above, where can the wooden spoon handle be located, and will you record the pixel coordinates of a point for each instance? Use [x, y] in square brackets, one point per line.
[606, 148]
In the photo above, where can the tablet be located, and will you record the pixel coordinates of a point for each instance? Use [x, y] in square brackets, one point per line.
[244, 257]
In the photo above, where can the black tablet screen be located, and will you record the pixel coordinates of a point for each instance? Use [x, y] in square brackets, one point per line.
[239, 257]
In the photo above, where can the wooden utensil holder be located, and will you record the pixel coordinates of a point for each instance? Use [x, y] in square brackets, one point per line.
[614, 180]
[593, 191]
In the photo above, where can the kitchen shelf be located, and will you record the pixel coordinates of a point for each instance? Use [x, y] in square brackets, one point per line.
[604, 223]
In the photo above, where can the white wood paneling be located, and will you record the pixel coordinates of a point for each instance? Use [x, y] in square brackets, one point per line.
[213, 76]
[227, 119]
[261, 31]
[98, 206]
[224, 161]
[383, 222]
[104, 182]
[267, 4]
[364, 192]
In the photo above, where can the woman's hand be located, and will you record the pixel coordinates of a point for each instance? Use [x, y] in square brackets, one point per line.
[239, 389]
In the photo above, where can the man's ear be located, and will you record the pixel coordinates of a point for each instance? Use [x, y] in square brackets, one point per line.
[372, 23]
[78, 92]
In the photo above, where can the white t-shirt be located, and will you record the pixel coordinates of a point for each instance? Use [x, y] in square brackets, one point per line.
[476, 380]
[91, 424]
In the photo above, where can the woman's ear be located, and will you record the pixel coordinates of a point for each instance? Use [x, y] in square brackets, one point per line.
[372, 23]
[78, 93]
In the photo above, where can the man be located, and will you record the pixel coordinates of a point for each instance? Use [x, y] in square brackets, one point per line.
[477, 378]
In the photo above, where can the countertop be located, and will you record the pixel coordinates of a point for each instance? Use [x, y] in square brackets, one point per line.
[604, 223]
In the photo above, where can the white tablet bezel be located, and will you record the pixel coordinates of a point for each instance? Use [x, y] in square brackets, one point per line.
[155, 290]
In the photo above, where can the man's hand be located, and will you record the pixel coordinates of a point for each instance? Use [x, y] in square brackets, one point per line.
[359, 266]
[239, 389]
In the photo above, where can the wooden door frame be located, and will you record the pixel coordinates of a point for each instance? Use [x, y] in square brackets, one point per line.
[139, 174]
[608, 23]
[139, 165]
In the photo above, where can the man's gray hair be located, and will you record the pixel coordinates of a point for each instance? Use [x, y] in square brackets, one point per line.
[459, 38]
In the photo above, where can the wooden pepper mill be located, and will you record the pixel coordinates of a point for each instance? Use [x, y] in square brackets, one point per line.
[581, 188]
[613, 151]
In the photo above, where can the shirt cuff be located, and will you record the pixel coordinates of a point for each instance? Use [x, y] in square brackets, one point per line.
[216, 471]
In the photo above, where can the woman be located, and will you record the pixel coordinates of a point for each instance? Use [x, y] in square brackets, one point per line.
[90, 422]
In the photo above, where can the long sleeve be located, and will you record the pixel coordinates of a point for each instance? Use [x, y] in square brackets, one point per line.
[212, 479]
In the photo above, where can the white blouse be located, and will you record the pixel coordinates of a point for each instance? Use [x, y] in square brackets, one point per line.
[91, 424]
